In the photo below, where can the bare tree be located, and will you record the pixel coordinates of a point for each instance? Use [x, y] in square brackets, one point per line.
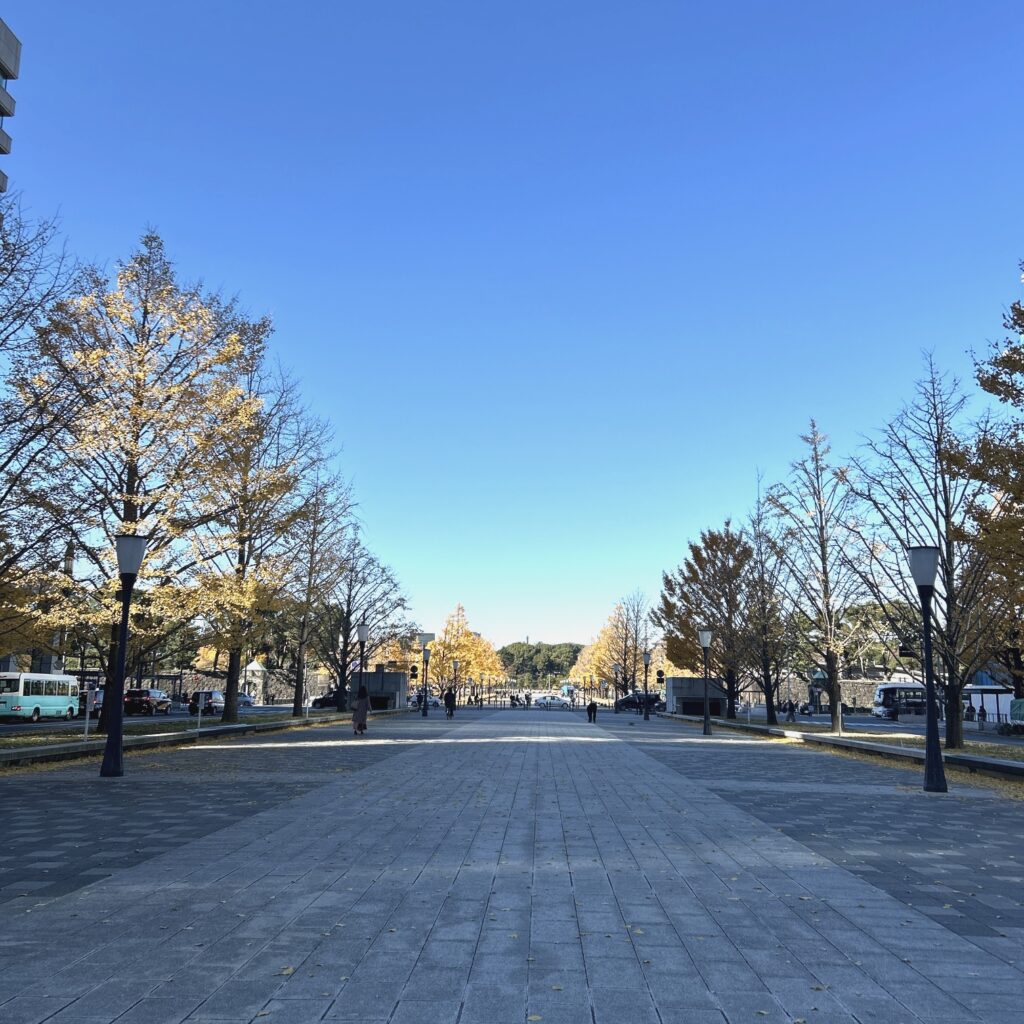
[35, 272]
[813, 509]
[767, 643]
[629, 637]
[912, 493]
[365, 590]
[319, 541]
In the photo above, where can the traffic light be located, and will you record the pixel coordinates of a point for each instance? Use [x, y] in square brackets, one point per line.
[414, 671]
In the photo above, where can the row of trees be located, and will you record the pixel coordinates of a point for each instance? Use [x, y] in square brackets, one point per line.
[815, 582]
[818, 575]
[136, 403]
[531, 664]
[616, 656]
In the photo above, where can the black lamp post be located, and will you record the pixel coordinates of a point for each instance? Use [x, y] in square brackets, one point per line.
[704, 636]
[455, 683]
[130, 551]
[426, 670]
[924, 567]
[647, 668]
[616, 669]
[363, 631]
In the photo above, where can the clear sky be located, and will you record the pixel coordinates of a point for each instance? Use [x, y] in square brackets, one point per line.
[564, 274]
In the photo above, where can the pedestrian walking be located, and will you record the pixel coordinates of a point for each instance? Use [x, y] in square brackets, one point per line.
[449, 703]
[360, 711]
[790, 711]
[592, 711]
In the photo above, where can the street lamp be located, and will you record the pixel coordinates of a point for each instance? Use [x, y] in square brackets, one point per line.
[364, 635]
[704, 637]
[647, 667]
[924, 567]
[426, 669]
[130, 551]
[455, 683]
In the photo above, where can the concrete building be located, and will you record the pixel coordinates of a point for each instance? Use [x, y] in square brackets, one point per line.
[684, 695]
[10, 65]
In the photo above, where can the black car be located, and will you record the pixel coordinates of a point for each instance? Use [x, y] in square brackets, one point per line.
[97, 701]
[210, 701]
[327, 700]
[146, 702]
[635, 702]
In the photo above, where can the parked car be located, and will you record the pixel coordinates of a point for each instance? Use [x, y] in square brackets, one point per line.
[551, 700]
[211, 702]
[325, 700]
[83, 697]
[246, 700]
[146, 701]
[635, 702]
[413, 700]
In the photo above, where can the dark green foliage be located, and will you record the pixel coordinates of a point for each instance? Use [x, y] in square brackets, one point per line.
[533, 661]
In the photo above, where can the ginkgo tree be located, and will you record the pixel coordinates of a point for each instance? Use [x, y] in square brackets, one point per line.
[620, 645]
[476, 656]
[144, 367]
[252, 546]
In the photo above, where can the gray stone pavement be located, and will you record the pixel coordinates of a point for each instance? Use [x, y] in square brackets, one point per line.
[522, 866]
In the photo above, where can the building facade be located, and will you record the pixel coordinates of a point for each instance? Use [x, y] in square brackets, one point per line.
[10, 65]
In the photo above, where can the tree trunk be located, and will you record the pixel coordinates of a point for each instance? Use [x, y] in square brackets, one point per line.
[1016, 662]
[300, 673]
[954, 718]
[731, 687]
[230, 714]
[101, 722]
[342, 701]
[768, 688]
[835, 691]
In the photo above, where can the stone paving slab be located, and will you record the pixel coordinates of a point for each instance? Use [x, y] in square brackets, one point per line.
[523, 867]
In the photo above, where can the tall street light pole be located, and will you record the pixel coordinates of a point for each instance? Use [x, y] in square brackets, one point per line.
[426, 669]
[704, 636]
[616, 669]
[424, 639]
[924, 567]
[364, 635]
[130, 551]
[647, 668]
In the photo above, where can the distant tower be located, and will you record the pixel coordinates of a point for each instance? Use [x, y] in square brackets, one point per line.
[10, 65]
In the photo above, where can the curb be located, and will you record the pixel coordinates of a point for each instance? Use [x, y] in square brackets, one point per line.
[85, 748]
[994, 766]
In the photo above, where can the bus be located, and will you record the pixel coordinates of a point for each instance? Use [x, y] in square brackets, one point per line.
[895, 699]
[35, 696]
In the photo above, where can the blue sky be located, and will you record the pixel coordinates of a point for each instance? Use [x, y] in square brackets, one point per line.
[564, 275]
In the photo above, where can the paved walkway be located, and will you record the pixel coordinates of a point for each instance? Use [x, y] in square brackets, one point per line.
[507, 867]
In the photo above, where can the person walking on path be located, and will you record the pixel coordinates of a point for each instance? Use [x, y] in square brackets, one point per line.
[592, 711]
[449, 702]
[360, 711]
[790, 711]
